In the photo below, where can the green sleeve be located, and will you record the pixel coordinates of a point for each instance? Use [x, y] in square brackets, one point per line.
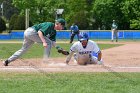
[44, 28]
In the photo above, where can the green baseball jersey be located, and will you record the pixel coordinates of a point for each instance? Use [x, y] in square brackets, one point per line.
[114, 25]
[47, 28]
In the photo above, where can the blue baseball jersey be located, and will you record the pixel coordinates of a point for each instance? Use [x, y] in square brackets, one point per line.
[91, 48]
[74, 28]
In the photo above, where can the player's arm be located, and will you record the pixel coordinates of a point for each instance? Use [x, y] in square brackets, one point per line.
[53, 39]
[77, 28]
[42, 38]
[99, 56]
[73, 49]
[69, 57]
[98, 51]
[71, 29]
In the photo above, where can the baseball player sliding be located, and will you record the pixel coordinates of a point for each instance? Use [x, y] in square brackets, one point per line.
[85, 51]
[44, 33]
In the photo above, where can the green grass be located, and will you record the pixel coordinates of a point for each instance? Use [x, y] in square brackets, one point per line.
[43, 82]
[37, 50]
[69, 83]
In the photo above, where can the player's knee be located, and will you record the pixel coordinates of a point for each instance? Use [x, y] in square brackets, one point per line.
[82, 63]
[94, 60]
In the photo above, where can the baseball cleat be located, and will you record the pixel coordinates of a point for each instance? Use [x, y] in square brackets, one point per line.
[5, 63]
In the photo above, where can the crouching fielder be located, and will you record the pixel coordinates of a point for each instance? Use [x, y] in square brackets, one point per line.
[85, 51]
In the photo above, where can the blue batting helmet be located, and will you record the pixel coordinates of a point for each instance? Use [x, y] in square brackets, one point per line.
[83, 36]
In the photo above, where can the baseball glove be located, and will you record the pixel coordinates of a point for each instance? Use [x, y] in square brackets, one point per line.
[64, 52]
[61, 50]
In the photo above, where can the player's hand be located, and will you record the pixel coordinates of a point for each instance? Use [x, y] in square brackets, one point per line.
[67, 62]
[45, 45]
[100, 62]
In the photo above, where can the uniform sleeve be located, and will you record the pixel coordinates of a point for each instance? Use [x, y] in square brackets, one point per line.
[73, 47]
[71, 28]
[96, 49]
[72, 51]
[43, 28]
[77, 27]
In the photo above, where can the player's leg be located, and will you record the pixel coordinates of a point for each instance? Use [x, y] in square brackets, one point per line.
[112, 35]
[34, 37]
[47, 50]
[75, 57]
[84, 60]
[78, 36]
[116, 35]
[94, 59]
[72, 37]
[79, 59]
[88, 59]
[27, 43]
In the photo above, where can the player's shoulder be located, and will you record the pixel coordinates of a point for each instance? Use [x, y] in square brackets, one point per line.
[75, 46]
[47, 23]
[91, 42]
[76, 43]
[72, 26]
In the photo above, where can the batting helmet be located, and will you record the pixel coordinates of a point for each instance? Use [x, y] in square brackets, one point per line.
[83, 36]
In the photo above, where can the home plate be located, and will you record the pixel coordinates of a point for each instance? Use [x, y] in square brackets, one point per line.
[57, 64]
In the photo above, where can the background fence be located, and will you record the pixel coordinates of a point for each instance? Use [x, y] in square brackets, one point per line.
[93, 34]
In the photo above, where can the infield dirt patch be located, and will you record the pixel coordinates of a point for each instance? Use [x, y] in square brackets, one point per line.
[125, 58]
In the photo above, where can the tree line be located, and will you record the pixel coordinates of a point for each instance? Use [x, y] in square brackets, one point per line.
[87, 14]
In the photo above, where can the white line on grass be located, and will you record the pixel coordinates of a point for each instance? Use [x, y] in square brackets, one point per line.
[127, 67]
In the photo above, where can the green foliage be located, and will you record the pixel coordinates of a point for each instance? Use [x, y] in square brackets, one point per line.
[12, 22]
[2, 25]
[20, 23]
[131, 11]
[95, 14]
[8, 9]
[105, 11]
[135, 24]
[17, 22]
[77, 13]
[40, 10]
[82, 24]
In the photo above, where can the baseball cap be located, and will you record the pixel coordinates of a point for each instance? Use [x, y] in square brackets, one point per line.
[61, 20]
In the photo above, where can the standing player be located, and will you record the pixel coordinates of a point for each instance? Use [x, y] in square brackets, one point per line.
[44, 33]
[114, 31]
[74, 31]
[84, 51]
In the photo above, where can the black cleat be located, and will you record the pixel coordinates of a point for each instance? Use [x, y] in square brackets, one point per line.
[5, 63]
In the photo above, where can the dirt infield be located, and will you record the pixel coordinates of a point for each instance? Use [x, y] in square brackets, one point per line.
[124, 58]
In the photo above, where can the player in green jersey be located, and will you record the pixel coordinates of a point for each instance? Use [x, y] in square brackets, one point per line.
[44, 33]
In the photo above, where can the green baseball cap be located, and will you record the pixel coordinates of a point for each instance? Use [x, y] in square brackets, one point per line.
[61, 20]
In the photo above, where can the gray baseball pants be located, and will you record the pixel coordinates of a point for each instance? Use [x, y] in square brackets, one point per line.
[30, 37]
